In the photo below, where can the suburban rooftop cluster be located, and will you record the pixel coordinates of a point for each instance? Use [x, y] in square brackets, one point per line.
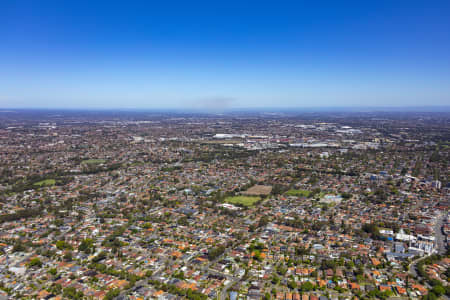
[122, 205]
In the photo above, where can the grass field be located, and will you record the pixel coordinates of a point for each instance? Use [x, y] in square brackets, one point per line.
[45, 182]
[298, 193]
[93, 161]
[242, 200]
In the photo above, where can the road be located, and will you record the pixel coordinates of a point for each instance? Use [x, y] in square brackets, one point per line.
[440, 239]
[223, 293]
[233, 280]
[440, 244]
[439, 236]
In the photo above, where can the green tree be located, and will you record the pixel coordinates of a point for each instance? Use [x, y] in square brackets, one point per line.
[35, 262]
[111, 294]
[86, 246]
[72, 293]
[307, 286]
[53, 271]
[61, 245]
[439, 290]
[292, 285]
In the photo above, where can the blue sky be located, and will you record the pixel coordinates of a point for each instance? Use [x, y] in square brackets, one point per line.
[224, 54]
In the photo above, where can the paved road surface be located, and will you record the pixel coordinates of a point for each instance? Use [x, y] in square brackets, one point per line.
[440, 243]
[440, 237]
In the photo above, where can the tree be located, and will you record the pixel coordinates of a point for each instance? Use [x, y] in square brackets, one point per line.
[35, 262]
[19, 247]
[328, 264]
[263, 221]
[430, 296]
[292, 285]
[86, 246]
[68, 256]
[52, 271]
[216, 252]
[55, 288]
[277, 189]
[61, 245]
[72, 293]
[439, 290]
[275, 279]
[307, 286]
[301, 251]
[346, 195]
[372, 229]
[111, 294]
[281, 269]
[99, 257]
[417, 167]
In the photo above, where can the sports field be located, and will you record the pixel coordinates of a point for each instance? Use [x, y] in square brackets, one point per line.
[46, 182]
[243, 200]
[298, 193]
[94, 161]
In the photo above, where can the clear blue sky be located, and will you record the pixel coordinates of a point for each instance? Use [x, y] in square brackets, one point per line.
[223, 54]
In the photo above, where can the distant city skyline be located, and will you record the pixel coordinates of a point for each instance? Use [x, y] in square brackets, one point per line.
[222, 56]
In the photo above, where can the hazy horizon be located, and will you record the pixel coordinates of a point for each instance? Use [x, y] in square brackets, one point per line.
[323, 109]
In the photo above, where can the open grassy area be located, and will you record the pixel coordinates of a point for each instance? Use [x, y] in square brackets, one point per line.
[258, 190]
[46, 182]
[298, 193]
[93, 161]
[243, 200]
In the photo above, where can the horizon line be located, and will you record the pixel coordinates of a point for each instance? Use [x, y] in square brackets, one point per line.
[424, 108]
